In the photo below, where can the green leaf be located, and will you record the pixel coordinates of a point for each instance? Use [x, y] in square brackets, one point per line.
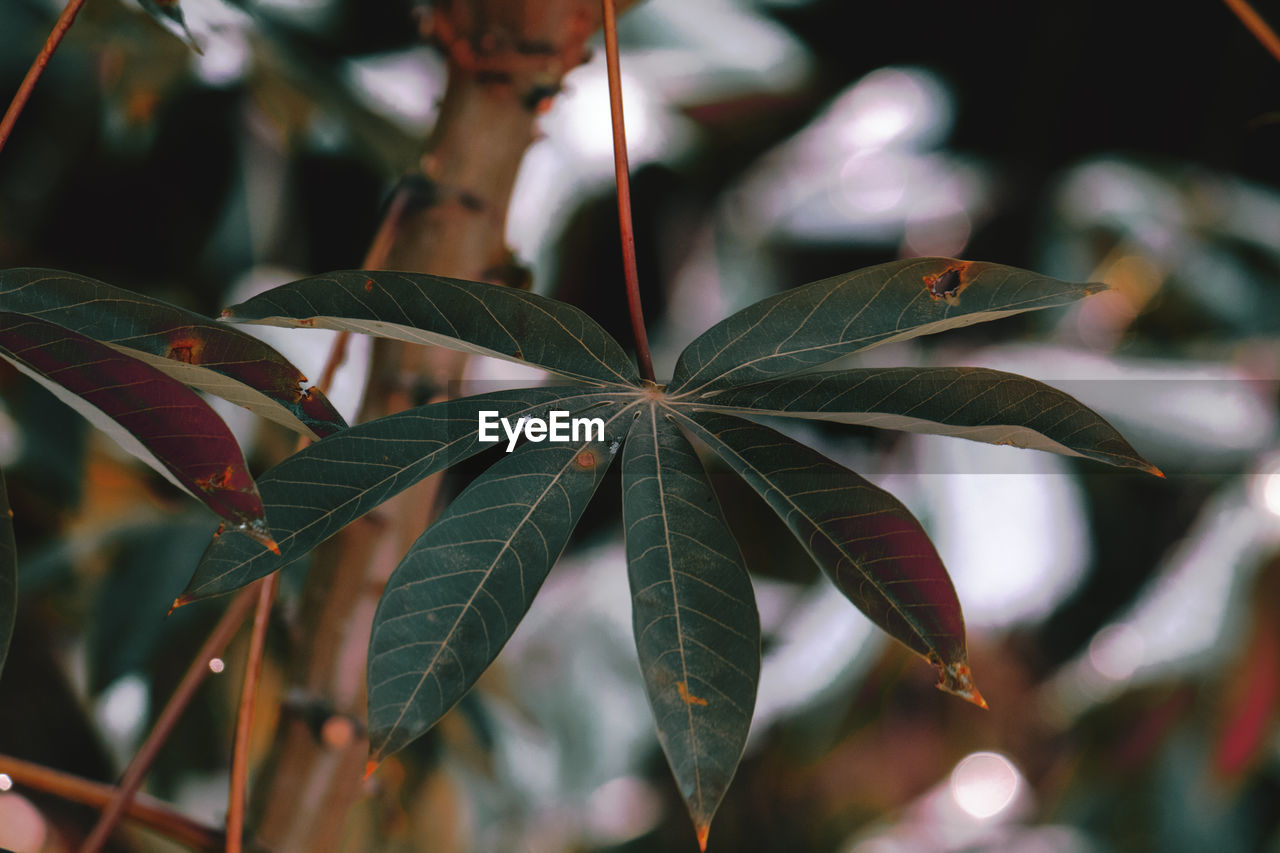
[867, 542]
[817, 323]
[213, 357]
[8, 575]
[693, 610]
[158, 419]
[319, 490]
[457, 596]
[168, 13]
[463, 315]
[969, 402]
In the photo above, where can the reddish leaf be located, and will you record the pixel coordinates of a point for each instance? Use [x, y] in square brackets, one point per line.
[153, 416]
[213, 357]
[866, 541]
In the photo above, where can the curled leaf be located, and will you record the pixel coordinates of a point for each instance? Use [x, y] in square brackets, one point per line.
[156, 418]
[195, 350]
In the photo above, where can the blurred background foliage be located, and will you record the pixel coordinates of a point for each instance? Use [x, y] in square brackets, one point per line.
[1123, 629]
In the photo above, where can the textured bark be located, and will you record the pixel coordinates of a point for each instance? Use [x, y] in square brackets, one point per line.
[507, 59]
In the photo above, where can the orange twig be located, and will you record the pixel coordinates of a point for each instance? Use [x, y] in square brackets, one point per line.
[144, 810]
[621, 170]
[1255, 24]
[244, 715]
[28, 84]
[373, 260]
[118, 803]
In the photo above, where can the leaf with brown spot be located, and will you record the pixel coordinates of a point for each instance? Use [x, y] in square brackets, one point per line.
[156, 418]
[457, 596]
[693, 610]
[814, 324]
[322, 488]
[195, 350]
[862, 537]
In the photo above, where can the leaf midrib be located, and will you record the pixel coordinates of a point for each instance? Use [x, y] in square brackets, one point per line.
[488, 572]
[285, 540]
[675, 595]
[877, 585]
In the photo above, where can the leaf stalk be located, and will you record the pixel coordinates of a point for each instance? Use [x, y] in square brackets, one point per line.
[244, 715]
[1255, 24]
[28, 84]
[621, 175]
[143, 810]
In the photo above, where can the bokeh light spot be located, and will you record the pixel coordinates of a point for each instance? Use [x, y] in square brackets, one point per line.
[984, 784]
[1116, 652]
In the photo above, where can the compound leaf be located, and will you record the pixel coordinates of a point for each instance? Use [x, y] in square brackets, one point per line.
[694, 613]
[969, 402]
[457, 596]
[213, 357]
[322, 488]
[156, 418]
[865, 540]
[463, 315]
[814, 324]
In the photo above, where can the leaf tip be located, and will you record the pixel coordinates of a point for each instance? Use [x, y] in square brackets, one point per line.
[371, 766]
[180, 601]
[703, 829]
[258, 531]
[957, 679]
[1151, 469]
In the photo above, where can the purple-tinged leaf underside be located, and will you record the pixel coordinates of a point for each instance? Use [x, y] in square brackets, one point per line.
[812, 325]
[969, 402]
[156, 418]
[694, 613]
[455, 599]
[213, 357]
[862, 537]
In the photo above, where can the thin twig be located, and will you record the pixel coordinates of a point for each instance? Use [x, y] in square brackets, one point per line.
[28, 85]
[144, 810]
[621, 170]
[244, 715]
[218, 639]
[1255, 24]
[374, 259]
